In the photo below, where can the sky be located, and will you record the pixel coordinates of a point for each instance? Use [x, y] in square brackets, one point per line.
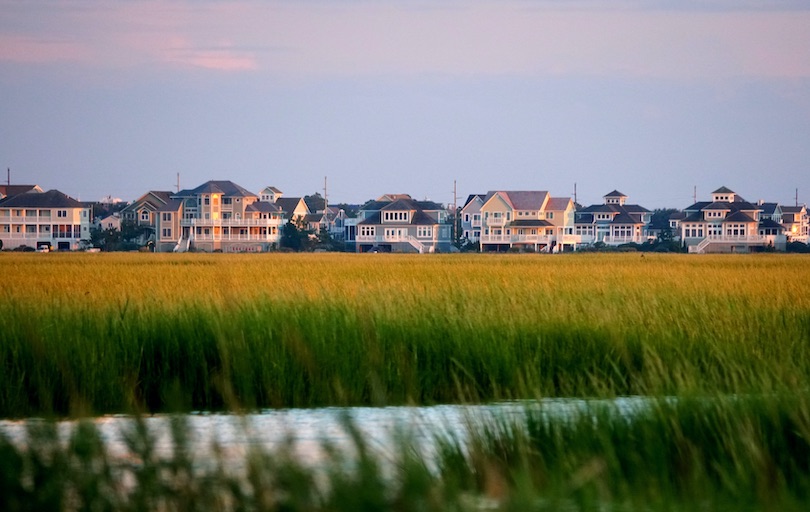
[659, 99]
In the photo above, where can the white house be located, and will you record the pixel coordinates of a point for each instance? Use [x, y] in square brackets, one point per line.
[729, 223]
[36, 219]
[398, 223]
[614, 222]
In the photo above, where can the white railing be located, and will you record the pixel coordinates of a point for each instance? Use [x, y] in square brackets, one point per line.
[238, 223]
[496, 221]
[33, 219]
[236, 237]
[516, 239]
[416, 244]
[615, 240]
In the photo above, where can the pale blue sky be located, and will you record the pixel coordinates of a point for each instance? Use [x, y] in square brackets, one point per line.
[651, 98]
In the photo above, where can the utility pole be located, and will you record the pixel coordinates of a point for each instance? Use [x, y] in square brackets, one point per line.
[8, 176]
[575, 194]
[455, 212]
[694, 195]
[178, 182]
[797, 197]
[325, 200]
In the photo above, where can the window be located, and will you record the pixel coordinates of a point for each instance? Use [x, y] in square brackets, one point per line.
[167, 232]
[550, 215]
[166, 216]
[367, 231]
[424, 231]
[206, 200]
[467, 217]
[227, 201]
[61, 214]
[145, 215]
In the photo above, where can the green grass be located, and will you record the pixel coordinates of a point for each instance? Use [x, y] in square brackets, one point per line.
[85, 334]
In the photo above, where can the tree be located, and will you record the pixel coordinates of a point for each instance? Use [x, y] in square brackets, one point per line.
[295, 236]
[315, 202]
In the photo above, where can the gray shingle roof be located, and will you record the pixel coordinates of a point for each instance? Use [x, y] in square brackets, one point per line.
[723, 190]
[224, 187]
[738, 217]
[50, 199]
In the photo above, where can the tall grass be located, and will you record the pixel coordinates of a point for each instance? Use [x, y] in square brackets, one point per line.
[95, 333]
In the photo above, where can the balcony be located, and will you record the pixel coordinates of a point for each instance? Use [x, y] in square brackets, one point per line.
[236, 223]
[497, 221]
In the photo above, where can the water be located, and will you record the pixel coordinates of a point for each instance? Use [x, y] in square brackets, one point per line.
[304, 431]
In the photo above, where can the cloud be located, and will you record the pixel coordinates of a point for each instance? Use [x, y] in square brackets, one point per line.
[715, 40]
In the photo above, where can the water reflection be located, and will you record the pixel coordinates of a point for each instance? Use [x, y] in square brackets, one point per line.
[304, 431]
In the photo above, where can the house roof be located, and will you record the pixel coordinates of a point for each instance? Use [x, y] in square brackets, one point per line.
[419, 218]
[723, 190]
[272, 189]
[769, 208]
[289, 204]
[50, 199]
[13, 190]
[224, 187]
[401, 204]
[769, 223]
[625, 218]
[558, 203]
[738, 217]
[584, 218]
[718, 206]
[263, 207]
[172, 206]
[520, 199]
[677, 215]
[793, 209]
[473, 197]
[615, 193]
[531, 223]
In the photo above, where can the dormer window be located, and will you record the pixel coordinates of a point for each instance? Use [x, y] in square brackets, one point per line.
[395, 216]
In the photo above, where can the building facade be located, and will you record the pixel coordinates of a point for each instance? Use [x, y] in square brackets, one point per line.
[49, 219]
[218, 216]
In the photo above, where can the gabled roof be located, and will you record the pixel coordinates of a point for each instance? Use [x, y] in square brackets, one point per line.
[520, 199]
[615, 193]
[313, 217]
[387, 198]
[273, 190]
[558, 203]
[677, 215]
[793, 209]
[224, 187]
[161, 197]
[723, 190]
[584, 218]
[473, 197]
[289, 204]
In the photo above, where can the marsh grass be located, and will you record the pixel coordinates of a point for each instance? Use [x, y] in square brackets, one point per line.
[100, 333]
